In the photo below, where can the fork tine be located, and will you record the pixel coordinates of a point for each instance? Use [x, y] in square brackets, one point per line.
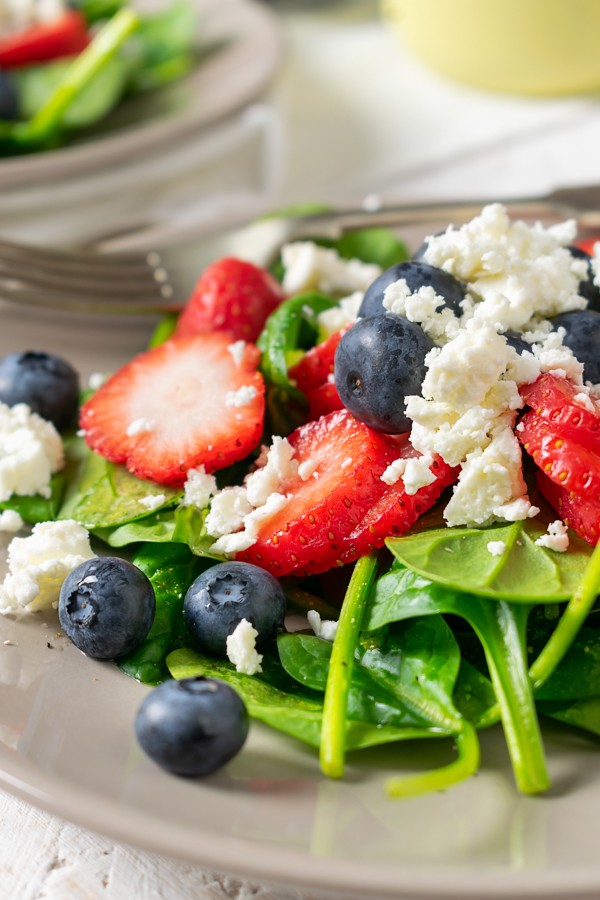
[88, 302]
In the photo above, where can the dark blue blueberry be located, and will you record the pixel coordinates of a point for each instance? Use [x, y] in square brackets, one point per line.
[106, 607]
[514, 340]
[223, 595]
[587, 288]
[582, 335]
[378, 363]
[9, 98]
[46, 383]
[192, 727]
[416, 275]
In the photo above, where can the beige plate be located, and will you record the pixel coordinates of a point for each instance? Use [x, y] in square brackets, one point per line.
[250, 50]
[67, 744]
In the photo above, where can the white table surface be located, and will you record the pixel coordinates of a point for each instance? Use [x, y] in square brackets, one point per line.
[356, 116]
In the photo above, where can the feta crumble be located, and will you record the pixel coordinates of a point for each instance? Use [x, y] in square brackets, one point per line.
[39, 563]
[237, 351]
[241, 648]
[344, 314]
[140, 426]
[311, 267]
[30, 452]
[199, 487]
[242, 397]
[556, 537]
[152, 501]
[496, 548]
[10, 521]
[323, 628]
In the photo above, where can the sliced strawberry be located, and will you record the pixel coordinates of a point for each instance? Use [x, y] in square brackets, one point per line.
[554, 399]
[582, 514]
[185, 403]
[65, 35]
[343, 508]
[563, 460]
[231, 295]
[587, 244]
[322, 400]
[316, 365]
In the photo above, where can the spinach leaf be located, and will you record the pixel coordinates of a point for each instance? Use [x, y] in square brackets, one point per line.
[171, 569]
[577, 677]
[372, 245]
[163, 47]
[33, 507]
[583, 713]
[101, 494]
[525, 572]
[275, 699]
[181, 525]
[501, 628]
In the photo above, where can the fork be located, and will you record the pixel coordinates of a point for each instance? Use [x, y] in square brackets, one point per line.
[152, 281]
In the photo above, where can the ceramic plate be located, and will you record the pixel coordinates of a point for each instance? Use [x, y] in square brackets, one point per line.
[67, 744]
[247, 50]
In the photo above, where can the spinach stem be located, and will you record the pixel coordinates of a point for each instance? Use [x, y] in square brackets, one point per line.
[466, 764]
[335, 704]
[573, 617]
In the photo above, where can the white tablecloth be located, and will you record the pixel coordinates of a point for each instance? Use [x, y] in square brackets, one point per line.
[357, 115]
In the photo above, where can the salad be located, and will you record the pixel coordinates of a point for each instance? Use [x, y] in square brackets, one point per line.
[65, 67]
[405, 450]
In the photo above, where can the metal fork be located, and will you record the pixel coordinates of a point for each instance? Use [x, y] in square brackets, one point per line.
[154, 280]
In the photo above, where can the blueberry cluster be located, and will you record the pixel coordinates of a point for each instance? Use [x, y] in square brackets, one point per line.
[381, 360]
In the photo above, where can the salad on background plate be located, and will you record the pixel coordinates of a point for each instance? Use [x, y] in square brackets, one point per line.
[402, 449]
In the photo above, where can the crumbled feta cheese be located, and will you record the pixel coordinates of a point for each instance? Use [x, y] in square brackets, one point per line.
[496, 548]
[242, 397]
[237, 351]
[96, 380]
[424, 307]
[330, 321]
[199, 487]
[279, 465]
[323, 628]
[241, 649]
[241, 540]
[30, 452]
[152, 501]
[554, 356]
[311, 267]
[417, 474]
[10, 521]
[140, 426]
[584, 399]
[39, 563]
[394, 471]
[307, 468]
[227, 510]
[556, 537]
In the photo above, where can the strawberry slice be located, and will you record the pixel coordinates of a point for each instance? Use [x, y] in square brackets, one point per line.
[185, 403]
[343, 508]
[322, 400]
[313, 373]
[580, 513]
[231, 295]
[563, 405]
[564, 461]
[587, 244]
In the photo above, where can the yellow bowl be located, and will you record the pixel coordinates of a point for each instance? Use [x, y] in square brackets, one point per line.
[522, 46]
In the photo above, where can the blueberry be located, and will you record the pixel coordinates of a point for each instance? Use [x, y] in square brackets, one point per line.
[582, 335]
[223, 595]
[192, 727]
[9, 98]
[416, 275]
[514, 340]
[587, 288]
[106, 607]
[378, 363]
[46, 383]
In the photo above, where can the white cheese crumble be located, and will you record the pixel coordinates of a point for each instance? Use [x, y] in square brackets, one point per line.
[311, 267]
[241, 648]
[345, 313]
[496, 548]
[30, 452]
[199, 487]
[242, 397]
[227, 510]
[140, 426]
[10, 521]
[323, 628]
[277, 465]
[96, 380]
[152, 501]
[556, 537]
[424, 307]
[394, 471]
[237, 351]
[307, 469]
[39, 563]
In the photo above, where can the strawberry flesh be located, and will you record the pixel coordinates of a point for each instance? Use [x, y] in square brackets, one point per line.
[344, 509]
[553, 399]
[580, 513]
[231, 295]
[565, 462]
[185, 403]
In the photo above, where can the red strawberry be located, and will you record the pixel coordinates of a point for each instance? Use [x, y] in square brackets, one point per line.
[174, 408]
[587, 244]
[580, 513]
[565, 462]
[316, 365]
[553, 399]
[344, 509]
[322, 400]
[231, 295]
